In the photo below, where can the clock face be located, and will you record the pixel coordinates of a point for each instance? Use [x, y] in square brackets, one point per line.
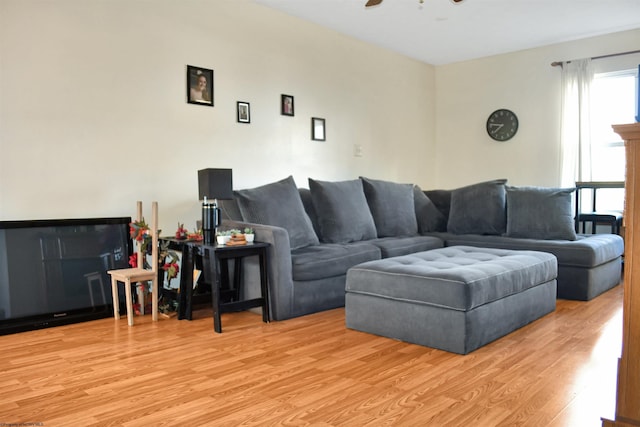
[502, 125]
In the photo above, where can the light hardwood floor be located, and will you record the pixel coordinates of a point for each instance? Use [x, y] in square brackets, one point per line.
[557, 371]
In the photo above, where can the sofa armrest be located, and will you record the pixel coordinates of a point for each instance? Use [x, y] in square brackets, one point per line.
[279, 266]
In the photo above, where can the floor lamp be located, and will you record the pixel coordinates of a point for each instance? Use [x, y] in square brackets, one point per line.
[213, 184]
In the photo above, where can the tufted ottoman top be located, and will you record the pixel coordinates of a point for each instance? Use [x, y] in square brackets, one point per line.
[456, 277]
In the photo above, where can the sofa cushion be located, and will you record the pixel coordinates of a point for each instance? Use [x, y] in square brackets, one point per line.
[540, 213]
[392, 207]
[479, 209]
[397, 246]
[342, 210]
[330, 259]
[278, 204]
[428, 215]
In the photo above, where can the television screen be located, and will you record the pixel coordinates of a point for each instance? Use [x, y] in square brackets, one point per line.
[55, 271]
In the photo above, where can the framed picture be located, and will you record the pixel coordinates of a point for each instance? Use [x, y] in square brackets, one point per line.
[199, 86]
[286, 105]
[318, 132]
[243, 112]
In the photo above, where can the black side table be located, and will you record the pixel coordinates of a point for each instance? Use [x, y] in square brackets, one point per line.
[216, 272]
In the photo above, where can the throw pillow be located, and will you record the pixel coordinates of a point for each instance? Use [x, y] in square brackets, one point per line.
[429, 217]
[342, 210]
[540, 213]
[392, 207]
[230, 210]
[479, 209]
[278, 204]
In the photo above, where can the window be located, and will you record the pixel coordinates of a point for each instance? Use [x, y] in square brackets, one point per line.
[613, 101]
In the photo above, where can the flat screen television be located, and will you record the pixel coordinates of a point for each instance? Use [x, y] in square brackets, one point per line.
[54, 272]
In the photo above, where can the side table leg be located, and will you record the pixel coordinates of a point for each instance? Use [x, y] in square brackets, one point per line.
[237, 277]
[209, 264]
[264, 285]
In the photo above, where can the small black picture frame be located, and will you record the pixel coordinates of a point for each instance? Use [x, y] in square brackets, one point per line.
[199, 86]
[286, 105]
[243, 112]
[318, 130]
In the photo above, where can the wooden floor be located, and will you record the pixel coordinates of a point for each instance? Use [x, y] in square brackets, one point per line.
[557, 371]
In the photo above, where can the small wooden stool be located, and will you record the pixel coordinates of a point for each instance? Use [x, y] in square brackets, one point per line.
[139, 274]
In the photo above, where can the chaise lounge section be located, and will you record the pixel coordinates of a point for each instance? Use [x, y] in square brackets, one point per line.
[587, 266]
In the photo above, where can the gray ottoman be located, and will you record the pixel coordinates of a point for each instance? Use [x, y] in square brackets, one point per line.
[455, 299]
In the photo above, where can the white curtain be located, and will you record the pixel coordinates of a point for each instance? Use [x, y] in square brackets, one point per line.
[575, 141]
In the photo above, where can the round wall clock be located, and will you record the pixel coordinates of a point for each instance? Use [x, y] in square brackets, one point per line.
[502, 125]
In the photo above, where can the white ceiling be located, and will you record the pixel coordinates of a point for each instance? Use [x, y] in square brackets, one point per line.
[440, 31]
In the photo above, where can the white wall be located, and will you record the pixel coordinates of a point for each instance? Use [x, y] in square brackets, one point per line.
[93, 111]
[524, 82]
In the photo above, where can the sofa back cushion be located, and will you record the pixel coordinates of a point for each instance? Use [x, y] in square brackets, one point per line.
[278, 204]
[305, 195]
[442, 200]
[479, 209]
[342, 211]
[429, 217]
[540, 213]
[392, 207]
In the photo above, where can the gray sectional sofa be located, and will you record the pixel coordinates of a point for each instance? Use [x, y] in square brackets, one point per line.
[318, 234]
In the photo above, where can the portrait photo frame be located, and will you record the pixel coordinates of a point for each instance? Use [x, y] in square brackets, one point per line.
[286, 105]
[318, 129]
[200, 88]
[243, 112]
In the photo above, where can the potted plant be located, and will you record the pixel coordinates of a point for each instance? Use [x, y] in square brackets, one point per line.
[249, 235]
[223, 236]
